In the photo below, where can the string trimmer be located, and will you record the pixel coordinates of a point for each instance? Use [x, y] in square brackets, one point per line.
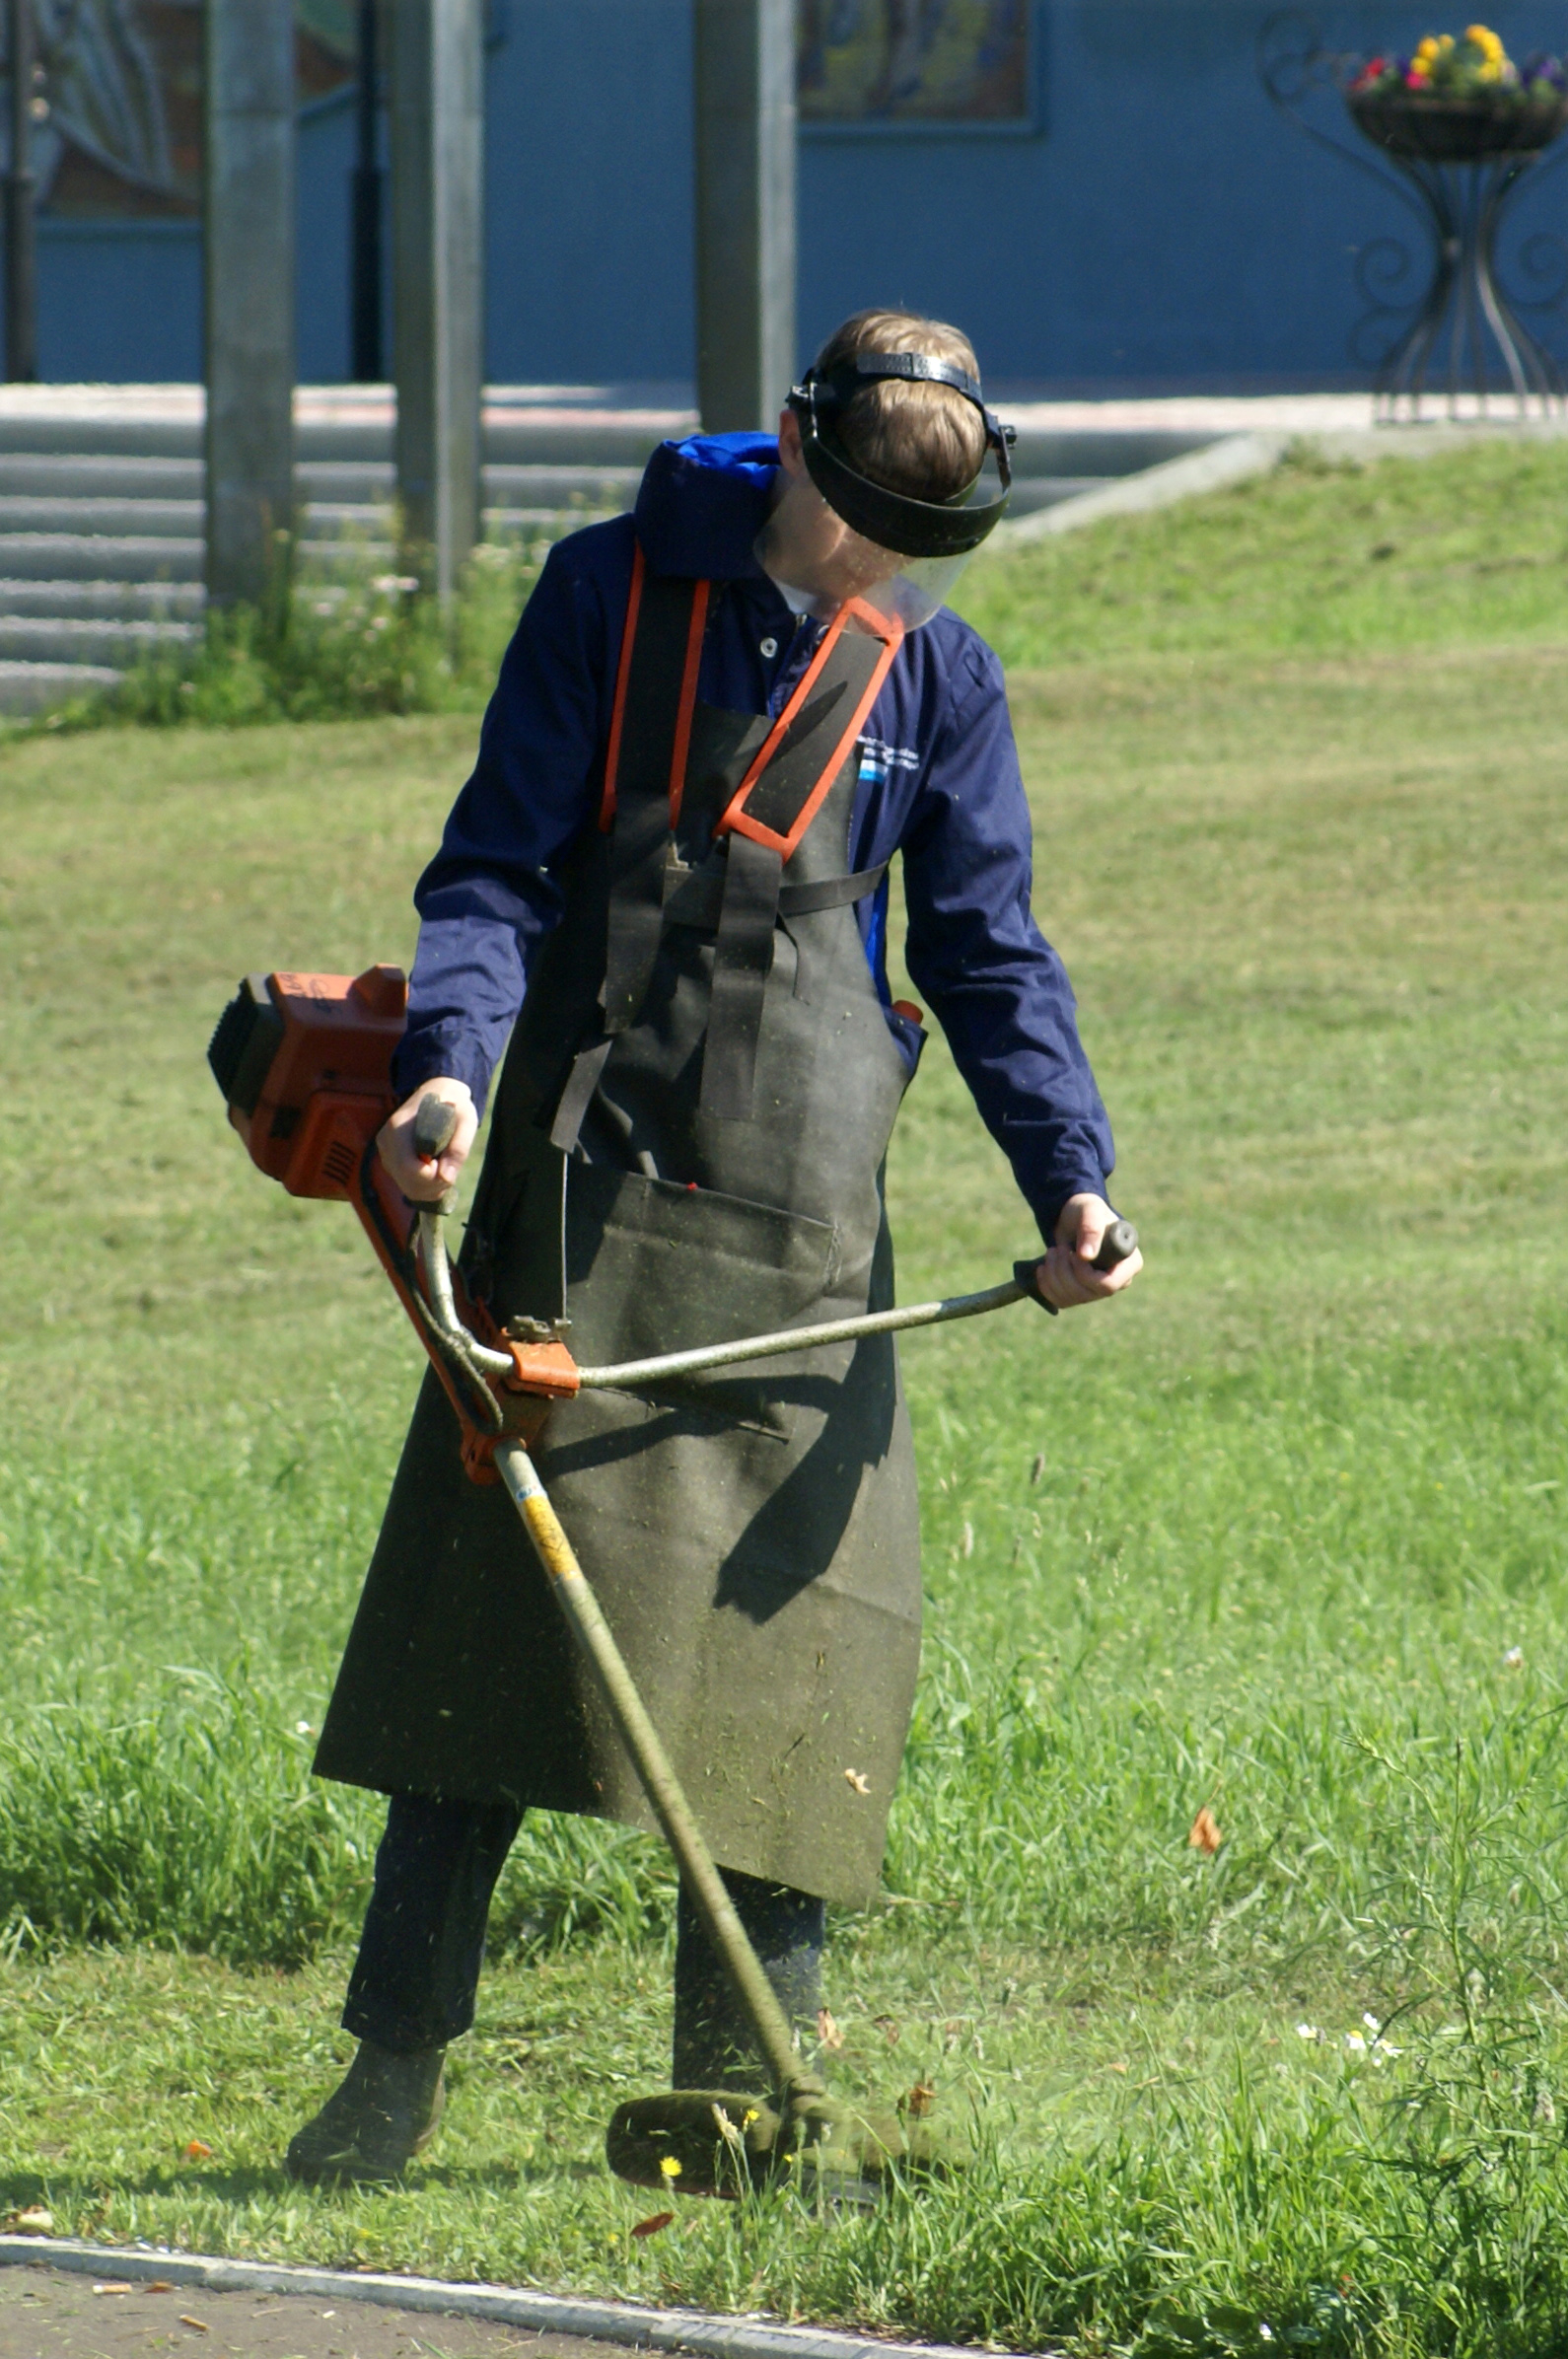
[303, 1061]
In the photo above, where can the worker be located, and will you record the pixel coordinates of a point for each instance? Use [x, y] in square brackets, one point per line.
[667, 879]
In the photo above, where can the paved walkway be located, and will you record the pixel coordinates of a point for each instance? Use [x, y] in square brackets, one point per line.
[53, 2314]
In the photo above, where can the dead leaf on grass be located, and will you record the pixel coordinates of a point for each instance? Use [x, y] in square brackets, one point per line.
[890, 2030]
[197, 2151]
[1204, 1834]
[920, 2099]
[827, 2031]
[652, 2225]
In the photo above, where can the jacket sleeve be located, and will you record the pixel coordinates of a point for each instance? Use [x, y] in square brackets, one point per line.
[974, 953]
[488, 898]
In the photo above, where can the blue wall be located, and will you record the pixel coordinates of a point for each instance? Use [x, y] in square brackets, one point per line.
[1163, 227]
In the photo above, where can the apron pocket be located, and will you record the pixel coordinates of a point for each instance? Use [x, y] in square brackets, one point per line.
[652, 1266]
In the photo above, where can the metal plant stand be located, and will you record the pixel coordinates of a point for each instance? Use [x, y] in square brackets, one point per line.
[1459, 167]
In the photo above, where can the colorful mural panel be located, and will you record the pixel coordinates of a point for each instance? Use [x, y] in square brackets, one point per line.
[118, 100]
[914, 61]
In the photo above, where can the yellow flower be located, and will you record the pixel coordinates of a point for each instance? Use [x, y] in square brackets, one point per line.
[1426, 51]
[1481, 36]
[669, 2166]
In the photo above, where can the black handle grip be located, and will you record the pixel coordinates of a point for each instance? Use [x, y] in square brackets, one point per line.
[1120, 1243]
[435, 1125]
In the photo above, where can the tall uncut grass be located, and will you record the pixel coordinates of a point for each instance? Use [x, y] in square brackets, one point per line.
[358, 643]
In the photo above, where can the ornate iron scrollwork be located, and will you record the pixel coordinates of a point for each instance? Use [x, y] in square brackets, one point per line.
[1442, 323]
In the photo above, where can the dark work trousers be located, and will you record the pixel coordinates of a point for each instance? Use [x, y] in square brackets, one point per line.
[417, 1970]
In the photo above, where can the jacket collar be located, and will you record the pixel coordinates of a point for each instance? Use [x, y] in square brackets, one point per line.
[703, 502]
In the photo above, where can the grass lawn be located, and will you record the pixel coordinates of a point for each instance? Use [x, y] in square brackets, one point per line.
[1281, 1536]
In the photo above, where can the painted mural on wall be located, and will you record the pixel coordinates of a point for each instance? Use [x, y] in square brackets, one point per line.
[118, 100]
[916, 61]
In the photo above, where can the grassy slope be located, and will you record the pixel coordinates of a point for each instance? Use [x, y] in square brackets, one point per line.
[1259, 1538]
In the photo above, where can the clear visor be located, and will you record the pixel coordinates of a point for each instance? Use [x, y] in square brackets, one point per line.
[820, 563]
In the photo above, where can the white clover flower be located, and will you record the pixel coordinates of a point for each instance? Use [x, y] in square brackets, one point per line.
[1355, 2043]
[1372, 2024]
[1308, 2031]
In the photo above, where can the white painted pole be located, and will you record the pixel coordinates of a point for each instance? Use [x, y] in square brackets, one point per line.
[248, 269]
[744, 110]
[438, 272]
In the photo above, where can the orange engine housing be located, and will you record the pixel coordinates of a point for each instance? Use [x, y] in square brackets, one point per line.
[304, 1062]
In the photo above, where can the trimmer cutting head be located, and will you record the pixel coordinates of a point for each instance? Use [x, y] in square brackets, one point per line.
[714, 2142]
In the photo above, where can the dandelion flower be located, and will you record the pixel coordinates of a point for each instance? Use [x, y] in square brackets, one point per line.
[669, 2166]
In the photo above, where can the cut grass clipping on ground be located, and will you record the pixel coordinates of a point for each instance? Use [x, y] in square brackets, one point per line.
[1225, 1891]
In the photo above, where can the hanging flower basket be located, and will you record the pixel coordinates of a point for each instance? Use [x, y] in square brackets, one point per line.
[1459, 99]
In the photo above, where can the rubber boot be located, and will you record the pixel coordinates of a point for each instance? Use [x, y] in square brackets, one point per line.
[373, 2125]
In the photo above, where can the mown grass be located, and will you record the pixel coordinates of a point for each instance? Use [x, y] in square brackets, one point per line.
[1281, 1536]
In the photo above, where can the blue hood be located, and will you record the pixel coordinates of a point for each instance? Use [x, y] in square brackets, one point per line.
[703, 503]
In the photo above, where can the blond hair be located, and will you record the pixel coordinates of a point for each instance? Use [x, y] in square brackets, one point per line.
[925, 441]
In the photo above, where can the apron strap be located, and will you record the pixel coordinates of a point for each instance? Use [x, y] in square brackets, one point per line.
[645, 769]
[580, 1082]
[743, 961]
[695, 899]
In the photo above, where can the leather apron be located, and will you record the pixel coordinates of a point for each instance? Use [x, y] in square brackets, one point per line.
[687, 1146]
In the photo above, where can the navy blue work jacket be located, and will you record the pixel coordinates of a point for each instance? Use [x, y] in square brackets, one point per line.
[939, 784]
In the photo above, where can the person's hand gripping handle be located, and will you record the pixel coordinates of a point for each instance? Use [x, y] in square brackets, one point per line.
[425, 1144]
[1095, 1255]
[435, 1128]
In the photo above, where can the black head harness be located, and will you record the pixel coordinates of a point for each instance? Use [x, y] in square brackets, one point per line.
[913, 527]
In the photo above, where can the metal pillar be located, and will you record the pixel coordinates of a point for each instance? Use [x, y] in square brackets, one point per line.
[367, 363]
[438, 278]
[22, 286]
[746, 210]
[250, 296]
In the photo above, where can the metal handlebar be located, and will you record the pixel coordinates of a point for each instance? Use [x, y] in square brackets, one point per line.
[435, 1123]
[1120, 1243]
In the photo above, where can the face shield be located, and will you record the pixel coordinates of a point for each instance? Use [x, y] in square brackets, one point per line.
[842, 536]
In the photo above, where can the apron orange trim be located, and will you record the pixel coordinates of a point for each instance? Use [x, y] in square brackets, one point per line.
[688, 699]
[617, 715]
[734, 818]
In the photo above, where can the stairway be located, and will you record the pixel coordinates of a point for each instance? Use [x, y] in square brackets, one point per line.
[101, 500]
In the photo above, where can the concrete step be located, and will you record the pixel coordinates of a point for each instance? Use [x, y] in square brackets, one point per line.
[27, 688]
[99, 557]
[58, 640]
[80, 475]
[111, 601]
[83, 476]
[146, 519]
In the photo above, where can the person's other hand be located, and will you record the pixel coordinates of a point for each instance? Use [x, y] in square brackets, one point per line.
[1067, 1276]
[423, 1182]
